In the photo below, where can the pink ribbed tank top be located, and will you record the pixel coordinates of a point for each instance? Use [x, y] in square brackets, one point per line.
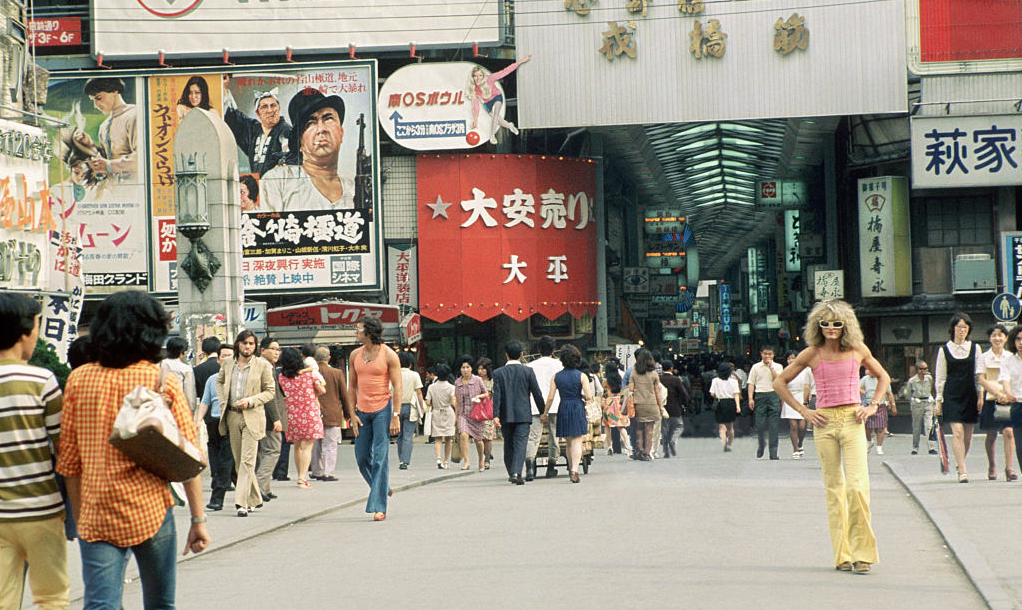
[837, 383]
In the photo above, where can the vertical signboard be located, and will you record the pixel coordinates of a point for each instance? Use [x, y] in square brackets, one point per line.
[1011, 261]
[753, 257]
[725, 308]
[403, 275]
[97, 179]
[884, 241]
[792, 230]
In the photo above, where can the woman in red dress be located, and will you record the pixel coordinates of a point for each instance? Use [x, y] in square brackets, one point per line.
[304, 420]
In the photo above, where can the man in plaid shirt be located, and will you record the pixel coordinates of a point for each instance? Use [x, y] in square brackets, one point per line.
[120, 507]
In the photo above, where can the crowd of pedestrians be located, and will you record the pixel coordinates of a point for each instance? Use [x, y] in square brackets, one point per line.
[252, 405]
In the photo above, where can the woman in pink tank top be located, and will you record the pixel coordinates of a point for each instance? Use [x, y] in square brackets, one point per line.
[835, 351]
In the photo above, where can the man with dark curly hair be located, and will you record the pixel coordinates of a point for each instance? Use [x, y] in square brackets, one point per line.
[104, 484]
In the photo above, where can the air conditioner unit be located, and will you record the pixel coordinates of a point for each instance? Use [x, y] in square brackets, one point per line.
[974, 273]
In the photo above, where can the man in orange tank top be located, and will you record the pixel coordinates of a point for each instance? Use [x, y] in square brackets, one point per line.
[374, 371]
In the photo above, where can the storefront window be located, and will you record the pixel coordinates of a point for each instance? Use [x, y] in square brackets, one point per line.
[958, 221]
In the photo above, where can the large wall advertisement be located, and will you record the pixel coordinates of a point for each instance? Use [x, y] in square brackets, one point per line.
[308, 200]
[143, 28]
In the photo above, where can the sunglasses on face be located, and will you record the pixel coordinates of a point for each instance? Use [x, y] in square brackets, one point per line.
[831, 324]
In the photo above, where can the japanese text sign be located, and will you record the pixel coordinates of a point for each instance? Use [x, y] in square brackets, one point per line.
[1011, 261]
[829, 284]
[884, 241]
[966, 151]
[55, 32]
[403, 275]
[511, 234]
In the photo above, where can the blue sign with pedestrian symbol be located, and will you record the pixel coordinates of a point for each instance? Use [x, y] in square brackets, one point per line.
[1006, 307]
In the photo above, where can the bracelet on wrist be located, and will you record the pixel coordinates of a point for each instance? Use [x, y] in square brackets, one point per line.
[196, 520]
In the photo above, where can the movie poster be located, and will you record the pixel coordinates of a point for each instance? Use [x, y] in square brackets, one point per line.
[308, 198]
[98, 180]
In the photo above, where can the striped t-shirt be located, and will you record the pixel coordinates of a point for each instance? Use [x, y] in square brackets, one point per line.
[30, 404]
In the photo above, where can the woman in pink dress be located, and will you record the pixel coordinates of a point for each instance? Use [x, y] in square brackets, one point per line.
[483, 90]
[304, 420]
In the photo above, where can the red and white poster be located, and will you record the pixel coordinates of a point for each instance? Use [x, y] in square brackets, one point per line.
[506, 234]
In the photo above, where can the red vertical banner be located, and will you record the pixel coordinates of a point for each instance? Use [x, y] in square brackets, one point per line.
[511, 234]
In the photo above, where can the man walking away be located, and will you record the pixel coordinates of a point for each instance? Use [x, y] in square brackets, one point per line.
[104, 484]
[331, 404]
[513, 385]
[677, 397]
[764, 401]
[31, 508]
[412, 404]
[276, 413]
[221, 462]
[545, 367]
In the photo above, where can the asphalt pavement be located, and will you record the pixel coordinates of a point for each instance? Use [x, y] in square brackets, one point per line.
[705, 529]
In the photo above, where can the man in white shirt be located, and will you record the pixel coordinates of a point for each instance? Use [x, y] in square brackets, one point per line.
[920, 395]
[764, 402]
[545, 367]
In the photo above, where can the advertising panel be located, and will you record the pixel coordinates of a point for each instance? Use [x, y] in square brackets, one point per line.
[612, 66]
[966, 151]
[403, 275]
[964, 36]
[142, 28]
[792, 233]
[438, 106]
[55, 32]
[298, 233]
[511, 234]
[884, 240]
[97, 179]
[26, 218]
[1011, 261]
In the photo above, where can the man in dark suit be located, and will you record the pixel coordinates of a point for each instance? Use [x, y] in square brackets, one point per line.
[513, 384]
[209, 367]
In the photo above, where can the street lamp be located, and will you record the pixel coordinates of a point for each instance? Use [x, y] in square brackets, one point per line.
[193, 219]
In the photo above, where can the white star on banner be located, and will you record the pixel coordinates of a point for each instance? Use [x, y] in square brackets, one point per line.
[439, 208]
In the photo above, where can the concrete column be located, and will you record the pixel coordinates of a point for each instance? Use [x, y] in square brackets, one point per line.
[218, 309]
[596, 146]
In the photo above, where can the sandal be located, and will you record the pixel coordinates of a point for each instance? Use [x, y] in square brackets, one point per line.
[844, 566]
[992, 474]
[303, 484]
[1010, 475]
[860, 567]
[466, 466]
[963, 477]
[379, 516]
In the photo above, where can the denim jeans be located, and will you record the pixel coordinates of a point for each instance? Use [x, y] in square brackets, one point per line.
[404, 440]
[103, 566]
[372, 450]
[670, 429]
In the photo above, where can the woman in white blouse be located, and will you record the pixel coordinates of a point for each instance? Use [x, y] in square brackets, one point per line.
[801, 387]
[991, 366]
[1010, 377]
[725, 389]
[959, 368]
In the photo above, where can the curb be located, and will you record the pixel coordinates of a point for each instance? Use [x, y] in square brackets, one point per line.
[976, 569]
[131, 577]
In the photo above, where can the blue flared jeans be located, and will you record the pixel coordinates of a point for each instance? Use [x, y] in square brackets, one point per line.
[372, 450]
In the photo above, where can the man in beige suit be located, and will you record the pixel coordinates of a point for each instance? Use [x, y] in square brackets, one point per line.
[244, 385]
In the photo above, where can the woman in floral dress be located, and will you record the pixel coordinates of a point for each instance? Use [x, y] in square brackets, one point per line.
[304, 420]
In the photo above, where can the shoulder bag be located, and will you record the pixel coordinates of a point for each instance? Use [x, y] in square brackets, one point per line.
[146, 432]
